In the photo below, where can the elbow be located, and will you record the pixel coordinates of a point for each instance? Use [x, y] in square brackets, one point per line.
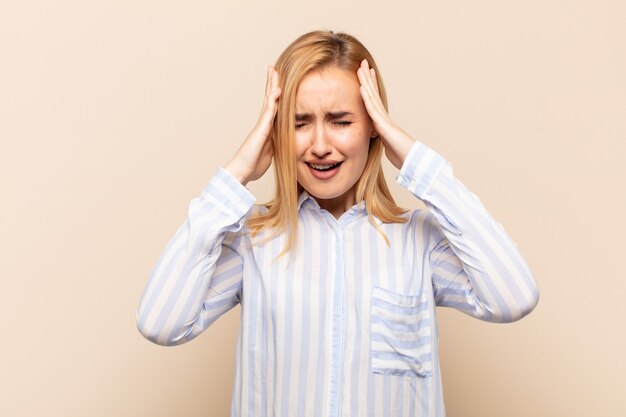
[152, 333]
[524, 308]
[148, 332]
[530, 305]
[509, 312]
[163, 336]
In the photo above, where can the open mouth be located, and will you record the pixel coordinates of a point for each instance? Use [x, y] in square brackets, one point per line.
[323, 167]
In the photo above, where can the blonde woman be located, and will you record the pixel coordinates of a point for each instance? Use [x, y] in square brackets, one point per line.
[337, 284]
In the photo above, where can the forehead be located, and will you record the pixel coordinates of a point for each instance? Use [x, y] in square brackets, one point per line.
[328, 89]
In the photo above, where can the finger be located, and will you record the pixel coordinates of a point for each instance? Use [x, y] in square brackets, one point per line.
[369, 104]
[368, 76]
[375, 109]
[374, 91]
[271, 107]
[273, 101]
[370, 95]
[277, 93]
[268, 79]
[268, 86]
[275, 79]
[373, 72]
[274, 89]
[271, 86]
[366, 80]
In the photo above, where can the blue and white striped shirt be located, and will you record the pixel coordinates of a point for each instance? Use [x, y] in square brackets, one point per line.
[345, 325]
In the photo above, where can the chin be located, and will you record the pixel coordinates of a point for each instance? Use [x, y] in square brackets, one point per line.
[328, 192]
[325, 195]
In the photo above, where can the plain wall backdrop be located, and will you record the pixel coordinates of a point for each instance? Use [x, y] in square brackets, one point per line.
[115, 114]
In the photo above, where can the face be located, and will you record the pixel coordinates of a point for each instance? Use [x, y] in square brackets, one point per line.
[333, 133]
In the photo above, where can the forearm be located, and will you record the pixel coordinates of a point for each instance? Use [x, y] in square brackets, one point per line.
[502, 284]
[172, 300]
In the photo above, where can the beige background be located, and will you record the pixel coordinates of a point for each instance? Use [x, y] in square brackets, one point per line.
[114, 114]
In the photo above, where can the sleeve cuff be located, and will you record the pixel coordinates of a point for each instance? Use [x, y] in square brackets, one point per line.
[420, 168]
[224, 190]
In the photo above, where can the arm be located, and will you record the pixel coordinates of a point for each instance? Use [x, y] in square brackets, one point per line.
[198, 276]
[476, 267]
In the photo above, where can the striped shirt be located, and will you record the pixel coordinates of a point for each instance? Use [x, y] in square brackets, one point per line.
[345, 324]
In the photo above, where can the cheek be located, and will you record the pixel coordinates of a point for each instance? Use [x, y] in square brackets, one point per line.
[353, 141]
[301, 144]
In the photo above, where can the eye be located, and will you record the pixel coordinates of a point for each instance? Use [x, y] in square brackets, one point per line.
[342, 123]
[299, 125]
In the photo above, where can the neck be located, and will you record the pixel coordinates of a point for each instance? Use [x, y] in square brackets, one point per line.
[338, 205]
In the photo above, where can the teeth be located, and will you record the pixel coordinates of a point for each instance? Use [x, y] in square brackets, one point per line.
[323, 167]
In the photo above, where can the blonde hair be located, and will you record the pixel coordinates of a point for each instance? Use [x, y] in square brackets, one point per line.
[314, 51]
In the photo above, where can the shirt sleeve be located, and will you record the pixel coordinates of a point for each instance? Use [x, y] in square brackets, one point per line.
[476, 267]
[198, 276]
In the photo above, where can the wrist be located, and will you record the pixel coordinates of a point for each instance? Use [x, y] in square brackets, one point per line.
[398, 144]
[234, 170]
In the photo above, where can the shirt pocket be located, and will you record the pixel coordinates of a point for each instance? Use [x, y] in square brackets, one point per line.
[401, 334]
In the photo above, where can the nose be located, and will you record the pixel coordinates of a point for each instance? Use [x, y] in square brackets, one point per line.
[320, 146]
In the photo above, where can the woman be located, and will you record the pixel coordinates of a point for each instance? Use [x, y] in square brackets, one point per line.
[337, 284]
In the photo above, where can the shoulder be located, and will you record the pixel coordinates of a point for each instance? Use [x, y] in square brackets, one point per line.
[421, 224]
[420, 218]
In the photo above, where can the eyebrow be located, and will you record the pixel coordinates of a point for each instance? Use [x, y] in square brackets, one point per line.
[327, 115]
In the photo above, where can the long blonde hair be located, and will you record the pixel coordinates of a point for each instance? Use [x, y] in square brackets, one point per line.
[314, 51]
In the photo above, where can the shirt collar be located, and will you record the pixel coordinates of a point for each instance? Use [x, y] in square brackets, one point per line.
[305, 200]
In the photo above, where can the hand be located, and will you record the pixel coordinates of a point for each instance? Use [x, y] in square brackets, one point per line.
[254, 156]
[397, 142]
